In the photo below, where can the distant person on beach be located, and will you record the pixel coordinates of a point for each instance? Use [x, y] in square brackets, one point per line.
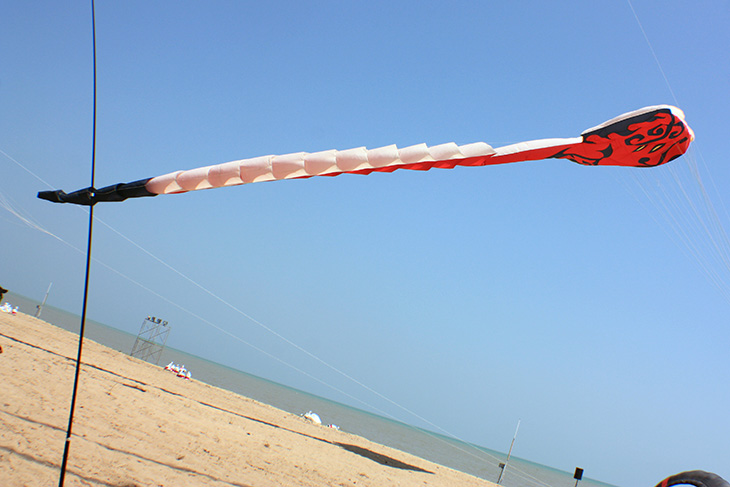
[2, 291]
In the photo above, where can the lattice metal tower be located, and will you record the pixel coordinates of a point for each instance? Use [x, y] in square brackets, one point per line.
[151, 340]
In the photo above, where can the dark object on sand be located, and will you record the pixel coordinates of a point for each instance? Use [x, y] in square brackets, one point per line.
[698, 478]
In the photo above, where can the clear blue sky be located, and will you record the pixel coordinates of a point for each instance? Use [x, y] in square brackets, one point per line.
[544, 291]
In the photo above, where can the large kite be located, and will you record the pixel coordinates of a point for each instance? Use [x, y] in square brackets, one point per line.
[647, 137]
[643, 138]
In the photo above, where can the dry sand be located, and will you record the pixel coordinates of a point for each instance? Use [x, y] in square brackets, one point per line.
[138, 425]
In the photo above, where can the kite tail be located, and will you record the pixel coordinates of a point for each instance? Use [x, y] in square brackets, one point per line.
[91, 196]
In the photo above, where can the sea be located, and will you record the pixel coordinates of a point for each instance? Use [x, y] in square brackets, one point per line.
[443, 450]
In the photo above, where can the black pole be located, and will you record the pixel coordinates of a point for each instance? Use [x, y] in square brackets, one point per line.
[88, 266]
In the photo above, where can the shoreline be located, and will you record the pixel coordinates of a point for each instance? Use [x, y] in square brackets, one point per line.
[137, 424]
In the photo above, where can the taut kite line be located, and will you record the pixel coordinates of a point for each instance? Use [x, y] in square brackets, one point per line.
[643, 138]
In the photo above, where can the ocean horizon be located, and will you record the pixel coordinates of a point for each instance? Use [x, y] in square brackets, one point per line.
[438, 448]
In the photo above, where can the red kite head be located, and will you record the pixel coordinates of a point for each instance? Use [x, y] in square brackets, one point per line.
[650, 137]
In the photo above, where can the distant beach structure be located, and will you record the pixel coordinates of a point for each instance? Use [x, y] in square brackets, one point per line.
[151, 340]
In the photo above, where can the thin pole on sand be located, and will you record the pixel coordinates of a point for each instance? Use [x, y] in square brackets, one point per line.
[509, 454]
[39, 308]
[88, 266]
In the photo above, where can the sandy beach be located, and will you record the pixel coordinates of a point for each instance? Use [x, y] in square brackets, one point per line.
[139, 425]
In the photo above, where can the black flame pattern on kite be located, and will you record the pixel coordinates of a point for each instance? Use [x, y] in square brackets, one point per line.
[646, 140]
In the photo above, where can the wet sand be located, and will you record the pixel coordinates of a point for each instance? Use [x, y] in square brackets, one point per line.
[138, 425]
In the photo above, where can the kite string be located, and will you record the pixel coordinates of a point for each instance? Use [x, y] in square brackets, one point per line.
[303, 350]
[714, 220]
[35, 226]
[25, 168]
[653, 53]
[679, 221]
[482, 454]
[706, 220]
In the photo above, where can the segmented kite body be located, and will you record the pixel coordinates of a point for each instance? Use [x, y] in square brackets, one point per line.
[643, 138]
